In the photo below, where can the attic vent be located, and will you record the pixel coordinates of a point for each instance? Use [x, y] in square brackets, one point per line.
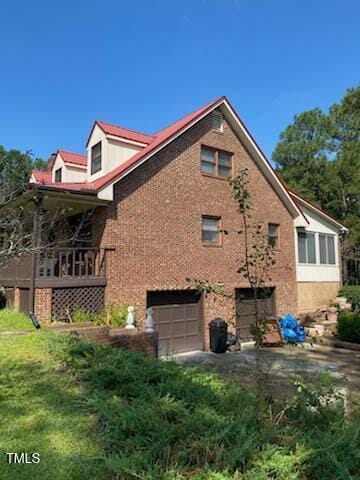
[217, 120]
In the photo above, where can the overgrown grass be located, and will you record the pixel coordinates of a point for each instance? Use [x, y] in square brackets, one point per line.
[42, 410]
[163, 421]
[11, 320]
[92, 411]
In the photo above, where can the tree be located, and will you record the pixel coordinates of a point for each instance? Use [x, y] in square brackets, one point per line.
[319, 156]
[15, 171]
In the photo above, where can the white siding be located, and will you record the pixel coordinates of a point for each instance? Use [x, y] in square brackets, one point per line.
[68, 173]
[113, 152]
[317, 272]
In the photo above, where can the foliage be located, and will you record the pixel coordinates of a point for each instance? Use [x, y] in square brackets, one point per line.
[11, 320]
[259, 254]
[348, 326]
[163, 421]
[352, 293]
[42, 410]
[112, 315]
[117, 314]
[319, 156]
[15, 170]
[93, 411]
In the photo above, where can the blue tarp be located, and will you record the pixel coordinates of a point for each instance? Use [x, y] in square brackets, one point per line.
[291, 330]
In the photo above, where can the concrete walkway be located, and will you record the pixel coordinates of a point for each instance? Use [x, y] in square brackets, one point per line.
[282, 365]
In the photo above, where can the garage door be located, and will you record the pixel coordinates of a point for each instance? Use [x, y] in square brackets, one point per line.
[177, 319]
[245, 309]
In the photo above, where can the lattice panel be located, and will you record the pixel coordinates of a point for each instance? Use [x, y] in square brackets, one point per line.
[65, 300]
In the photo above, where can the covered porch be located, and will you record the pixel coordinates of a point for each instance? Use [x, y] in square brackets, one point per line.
[62, 268]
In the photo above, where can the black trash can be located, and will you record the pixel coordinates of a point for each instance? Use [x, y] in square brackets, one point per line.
[218, 335]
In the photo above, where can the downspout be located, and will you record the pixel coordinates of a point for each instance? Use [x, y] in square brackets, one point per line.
[36, 241]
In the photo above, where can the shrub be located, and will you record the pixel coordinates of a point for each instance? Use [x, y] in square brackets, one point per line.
[113, 315]
[117, 314]
[162, 421]
[349, 326]
[352, 293]
[79, 315]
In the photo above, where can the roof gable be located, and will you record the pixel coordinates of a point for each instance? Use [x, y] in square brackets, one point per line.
[306, 203]
[171, 132]
[162, 138]
[73, 158]
[120, 132]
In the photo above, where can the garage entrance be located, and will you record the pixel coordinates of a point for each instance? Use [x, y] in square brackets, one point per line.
[245, 309]
[177, 319]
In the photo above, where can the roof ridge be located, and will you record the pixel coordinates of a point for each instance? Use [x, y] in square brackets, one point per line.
[125, 128]
[72, 153]
[189, 114]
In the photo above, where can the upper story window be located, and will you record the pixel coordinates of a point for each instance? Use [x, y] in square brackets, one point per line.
[58, 175]
[217, 121]
[273, 235]
[216, 162]
[96, 158]
[306, 247]
[210, 233]
[327, 249]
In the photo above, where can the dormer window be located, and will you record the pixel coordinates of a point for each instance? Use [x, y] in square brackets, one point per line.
[217, 121]
[96, 158]
[58, 175]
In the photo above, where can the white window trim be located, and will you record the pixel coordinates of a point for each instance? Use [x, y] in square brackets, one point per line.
[317, 251]
[335, 250]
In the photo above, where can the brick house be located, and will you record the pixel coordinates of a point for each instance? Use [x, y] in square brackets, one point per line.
[158, 203]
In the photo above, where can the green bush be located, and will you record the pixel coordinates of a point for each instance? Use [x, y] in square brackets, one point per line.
[352, 293]
[162, 421]
[348, 326]
[112, 315]
[117, 314]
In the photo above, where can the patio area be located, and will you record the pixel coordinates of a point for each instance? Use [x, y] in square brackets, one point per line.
[282, 365]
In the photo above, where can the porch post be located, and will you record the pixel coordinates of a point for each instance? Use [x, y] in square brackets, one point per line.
[36, 239]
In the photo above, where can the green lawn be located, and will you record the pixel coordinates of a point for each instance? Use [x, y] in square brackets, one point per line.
[94, 412]
[42, 410]
[11, 320]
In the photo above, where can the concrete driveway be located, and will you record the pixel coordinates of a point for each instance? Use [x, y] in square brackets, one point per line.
[282, 365]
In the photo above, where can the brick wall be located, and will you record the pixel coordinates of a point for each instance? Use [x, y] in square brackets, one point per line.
[155, 225]
[43, 304]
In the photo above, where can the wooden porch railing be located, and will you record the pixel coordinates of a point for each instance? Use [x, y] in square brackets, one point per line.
[57, 263]
[72, 263]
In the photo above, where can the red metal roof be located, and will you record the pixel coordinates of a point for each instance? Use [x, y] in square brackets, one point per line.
[160, 138]
[75, 158]
[121, 132]
[41, 176]
[153, 142]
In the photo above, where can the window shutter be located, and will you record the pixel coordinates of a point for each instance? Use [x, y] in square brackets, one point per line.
[217, 120]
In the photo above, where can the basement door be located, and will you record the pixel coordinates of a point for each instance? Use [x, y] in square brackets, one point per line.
[245, 309]
[177, 319]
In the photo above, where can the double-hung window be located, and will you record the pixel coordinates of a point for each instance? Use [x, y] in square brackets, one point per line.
[273, 235]
[96, 158]
[306, 247]
[58, 175]
[327, 249]
[210, 233]
[216, 162]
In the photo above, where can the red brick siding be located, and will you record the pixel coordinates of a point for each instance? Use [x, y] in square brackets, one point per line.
[43, 304]
[155, 225]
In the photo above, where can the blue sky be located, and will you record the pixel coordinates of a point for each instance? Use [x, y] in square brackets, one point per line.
[143, 64]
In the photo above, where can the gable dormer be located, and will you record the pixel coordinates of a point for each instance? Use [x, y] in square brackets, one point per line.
[67, 167]
[109, 146]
